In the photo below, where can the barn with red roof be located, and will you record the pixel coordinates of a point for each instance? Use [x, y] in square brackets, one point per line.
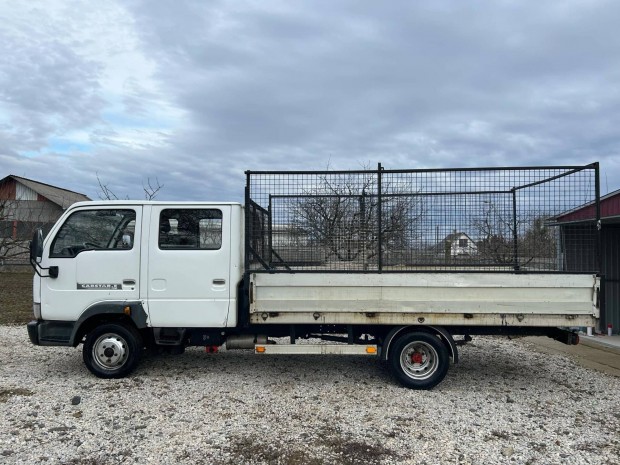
[581, 254]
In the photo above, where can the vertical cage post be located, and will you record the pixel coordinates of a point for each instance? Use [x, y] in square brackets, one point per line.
[270, 232]
[515, 232]
[363, 221]
[599, 226]
[379, 217]
[244, 315]
[248, 222]
[599, 242]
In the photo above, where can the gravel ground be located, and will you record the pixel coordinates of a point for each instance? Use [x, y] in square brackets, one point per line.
[503, 403]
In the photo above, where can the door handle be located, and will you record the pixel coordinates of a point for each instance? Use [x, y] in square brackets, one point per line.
[129, 282]
[219, 282]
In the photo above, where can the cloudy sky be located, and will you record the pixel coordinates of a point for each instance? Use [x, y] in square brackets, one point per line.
[195, 93]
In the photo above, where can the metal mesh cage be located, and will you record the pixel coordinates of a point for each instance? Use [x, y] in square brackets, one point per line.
[540, 219]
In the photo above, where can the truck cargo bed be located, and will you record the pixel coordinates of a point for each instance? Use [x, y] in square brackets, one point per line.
[462, 299]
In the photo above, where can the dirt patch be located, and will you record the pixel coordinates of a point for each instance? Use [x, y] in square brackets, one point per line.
[5, 394]
[349, 451]
[15, 298]
[334, 447]
[257, 450]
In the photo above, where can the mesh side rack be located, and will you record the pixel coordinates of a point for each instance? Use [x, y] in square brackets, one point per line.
[535, 219]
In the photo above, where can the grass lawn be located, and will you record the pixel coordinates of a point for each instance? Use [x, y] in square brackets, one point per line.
[15, 298]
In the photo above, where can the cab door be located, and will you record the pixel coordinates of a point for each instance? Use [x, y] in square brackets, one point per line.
[189, 266]
[97, 252]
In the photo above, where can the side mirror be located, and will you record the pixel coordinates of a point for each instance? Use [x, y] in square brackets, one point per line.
[36, 253]
[127, 242]
[36, 246]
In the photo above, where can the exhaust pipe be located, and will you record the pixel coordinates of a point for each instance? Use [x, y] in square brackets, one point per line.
[245, 341]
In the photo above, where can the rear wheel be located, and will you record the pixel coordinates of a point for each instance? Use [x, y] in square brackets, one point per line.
[112, 350]
[419, 360]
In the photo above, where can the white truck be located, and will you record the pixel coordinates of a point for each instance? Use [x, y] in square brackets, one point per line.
[387, 264]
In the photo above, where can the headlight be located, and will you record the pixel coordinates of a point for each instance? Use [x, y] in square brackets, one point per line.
[36, 309]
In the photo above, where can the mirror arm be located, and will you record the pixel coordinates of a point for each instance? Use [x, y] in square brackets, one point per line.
[52, 271]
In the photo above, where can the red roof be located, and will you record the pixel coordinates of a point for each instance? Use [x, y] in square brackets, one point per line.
[610, 207]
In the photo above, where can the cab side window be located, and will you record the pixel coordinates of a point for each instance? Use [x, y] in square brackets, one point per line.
[190, 229]
[94, 230]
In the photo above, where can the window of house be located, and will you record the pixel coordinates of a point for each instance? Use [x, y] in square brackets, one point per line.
[190, 229]
[462, 242]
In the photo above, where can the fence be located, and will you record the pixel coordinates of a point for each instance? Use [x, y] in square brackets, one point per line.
[526, 219]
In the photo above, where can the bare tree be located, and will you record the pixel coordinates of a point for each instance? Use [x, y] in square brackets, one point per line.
[18, 221]
[496, 227]
[497, 233]
[539, 242]
[105, 193]
[340, 214]
[151, 189]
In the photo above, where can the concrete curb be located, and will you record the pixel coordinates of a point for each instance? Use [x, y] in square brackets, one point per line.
[600, 342]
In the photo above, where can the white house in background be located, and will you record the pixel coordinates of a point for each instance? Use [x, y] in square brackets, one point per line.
[459, 245]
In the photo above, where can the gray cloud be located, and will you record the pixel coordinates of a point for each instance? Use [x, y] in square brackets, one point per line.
[45, 87]
[270, 85]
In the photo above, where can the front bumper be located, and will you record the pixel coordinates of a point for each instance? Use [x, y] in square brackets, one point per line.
[50, 333]
[33, 332]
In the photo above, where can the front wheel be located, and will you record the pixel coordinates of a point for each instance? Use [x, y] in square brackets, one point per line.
[419, 360]
[112, 350]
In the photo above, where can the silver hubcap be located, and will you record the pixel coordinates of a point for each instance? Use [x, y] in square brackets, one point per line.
[419, 360]
[110, 351]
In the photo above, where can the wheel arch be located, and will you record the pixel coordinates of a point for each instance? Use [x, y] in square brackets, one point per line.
[129, 313]
[443, 334]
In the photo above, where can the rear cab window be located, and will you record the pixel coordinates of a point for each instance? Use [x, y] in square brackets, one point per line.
[190, 229]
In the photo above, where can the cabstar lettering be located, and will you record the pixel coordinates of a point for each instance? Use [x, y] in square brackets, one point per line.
[98, 286]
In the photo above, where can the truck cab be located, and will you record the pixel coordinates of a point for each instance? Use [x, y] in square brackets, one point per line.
[162, 265]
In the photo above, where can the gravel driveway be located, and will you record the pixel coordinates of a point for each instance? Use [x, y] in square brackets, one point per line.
[503, 403]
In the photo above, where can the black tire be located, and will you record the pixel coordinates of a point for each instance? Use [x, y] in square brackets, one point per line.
[112, 350]
[419, 360]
